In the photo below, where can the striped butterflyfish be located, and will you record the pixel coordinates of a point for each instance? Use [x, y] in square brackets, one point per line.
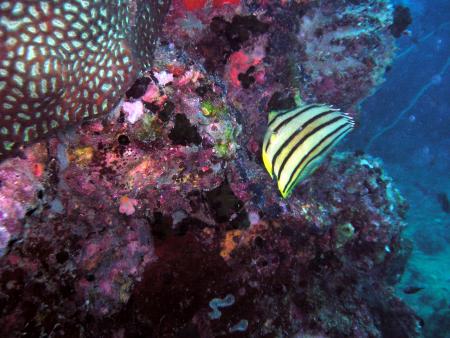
[297, 141]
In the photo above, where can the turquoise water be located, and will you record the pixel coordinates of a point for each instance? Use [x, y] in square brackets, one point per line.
[407, 123]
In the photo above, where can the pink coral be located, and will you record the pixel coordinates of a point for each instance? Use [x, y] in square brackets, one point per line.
[127, 205]
[133, 110]
[164, 78]
[151, 94]
[240, 61]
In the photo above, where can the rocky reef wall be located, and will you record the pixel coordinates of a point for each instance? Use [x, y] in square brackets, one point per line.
[160, 220]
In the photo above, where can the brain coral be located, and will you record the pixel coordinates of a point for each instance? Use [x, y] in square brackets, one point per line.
[65, 60]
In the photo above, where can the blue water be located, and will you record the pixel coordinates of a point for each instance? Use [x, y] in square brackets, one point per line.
[407, 124]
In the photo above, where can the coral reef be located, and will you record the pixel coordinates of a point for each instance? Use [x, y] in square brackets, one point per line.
[158, 159]
[334, 51]
[290, 273]
[342, 45]
[64, 61]
[161, 220]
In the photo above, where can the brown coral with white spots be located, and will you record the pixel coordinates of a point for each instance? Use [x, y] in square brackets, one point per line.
[63, 61]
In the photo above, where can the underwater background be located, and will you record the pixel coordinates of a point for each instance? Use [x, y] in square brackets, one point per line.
[172, 168]
[414, 103]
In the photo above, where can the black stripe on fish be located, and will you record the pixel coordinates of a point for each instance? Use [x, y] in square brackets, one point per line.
[303, 139]
[297, 111]
[297, 132]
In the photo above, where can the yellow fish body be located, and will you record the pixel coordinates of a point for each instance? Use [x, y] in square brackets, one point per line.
[298, 140]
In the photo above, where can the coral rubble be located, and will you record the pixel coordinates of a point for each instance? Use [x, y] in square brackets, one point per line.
[160, 221]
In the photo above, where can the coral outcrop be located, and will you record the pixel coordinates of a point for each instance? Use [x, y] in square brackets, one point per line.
[161, 221]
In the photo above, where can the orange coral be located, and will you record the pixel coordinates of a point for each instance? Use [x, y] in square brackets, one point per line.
[82, 156]
[230, 243]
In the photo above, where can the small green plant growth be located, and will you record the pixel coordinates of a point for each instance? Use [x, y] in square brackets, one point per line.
[224, 147]
[209, 109]
[150, 128]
